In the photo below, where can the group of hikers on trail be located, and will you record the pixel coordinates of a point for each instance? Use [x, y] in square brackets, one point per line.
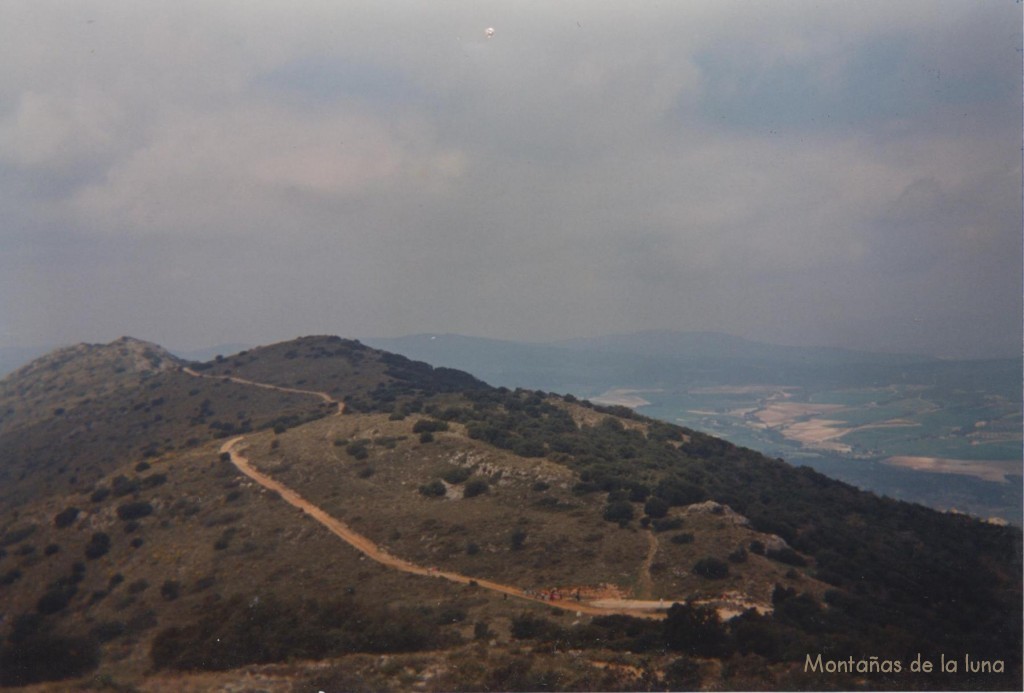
[552, 595]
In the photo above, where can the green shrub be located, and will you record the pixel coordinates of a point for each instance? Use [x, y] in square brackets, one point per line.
[170, 590]
[40, 655]
[134, 510]
[106, 631]
[65, 517]
[619, 511]
[17, 535]
[98, 546]
[138, 586]
[475, 487]
[122, 486]
[787, 555]
[54, 601]
[527, 627]
[241, 630]
[434, 489]
[456, 475]
[666, 524]
[429, 426]
[656, 507]
[682, 538]
[153, 480]
[695, 630]
[711, 568]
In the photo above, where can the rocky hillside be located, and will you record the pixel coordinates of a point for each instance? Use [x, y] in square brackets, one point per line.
[449, 536]
[67, 377]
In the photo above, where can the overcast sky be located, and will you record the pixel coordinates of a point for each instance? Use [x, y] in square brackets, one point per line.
[821, 173]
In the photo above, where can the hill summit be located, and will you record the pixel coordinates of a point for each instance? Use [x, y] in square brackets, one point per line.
[323, 515]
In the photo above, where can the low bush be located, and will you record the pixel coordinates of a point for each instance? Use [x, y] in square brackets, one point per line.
[170, 590]
[711, 568]
[619, 511]
[65, 517]
[358, 449]
[475, 487]
[788, 556]
[54, 600]
[429, 426]
[41, 655]
[456, 475]
[434, 489]
[239, 631]
[134, 510]
[98, 545]
[665, 524]
[656, 507]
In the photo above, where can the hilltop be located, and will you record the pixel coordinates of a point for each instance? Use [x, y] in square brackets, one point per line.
[480, 538]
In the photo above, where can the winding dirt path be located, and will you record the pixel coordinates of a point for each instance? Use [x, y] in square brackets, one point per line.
[645, 586]
[370, 549]
[267, 386]
[641, 609]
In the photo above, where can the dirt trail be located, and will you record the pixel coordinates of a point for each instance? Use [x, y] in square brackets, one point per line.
[372, 550]
[645, 586]
[375, 552]
[267, 386]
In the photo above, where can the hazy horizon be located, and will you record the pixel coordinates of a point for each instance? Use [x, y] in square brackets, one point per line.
[229, 348]
[800, 173]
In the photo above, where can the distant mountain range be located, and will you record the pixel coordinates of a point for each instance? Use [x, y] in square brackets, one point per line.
[717, 345]
[664, 359]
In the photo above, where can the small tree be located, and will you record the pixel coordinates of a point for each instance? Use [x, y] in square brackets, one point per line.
[656, 507]
[456, 475]
[711, 568]
[434, 489]
[474, 487]
[65, 517]
[134, 510]
[619, 511]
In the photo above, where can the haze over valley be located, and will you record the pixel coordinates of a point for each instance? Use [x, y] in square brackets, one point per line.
[939, 432]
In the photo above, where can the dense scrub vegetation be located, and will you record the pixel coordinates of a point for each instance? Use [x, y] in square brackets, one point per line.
[906, 579]
[239, 631]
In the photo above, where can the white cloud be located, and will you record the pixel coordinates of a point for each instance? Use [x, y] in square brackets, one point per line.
[237, 170]
[635, 166]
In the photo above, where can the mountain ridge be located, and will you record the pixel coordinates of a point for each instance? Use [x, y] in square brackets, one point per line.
[705, 344]
[182, 553]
